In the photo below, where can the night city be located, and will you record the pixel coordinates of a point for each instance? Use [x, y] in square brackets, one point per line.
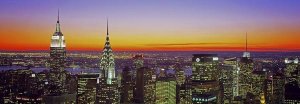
[150, 52]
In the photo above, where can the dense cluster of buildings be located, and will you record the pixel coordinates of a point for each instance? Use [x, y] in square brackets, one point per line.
[213, 80]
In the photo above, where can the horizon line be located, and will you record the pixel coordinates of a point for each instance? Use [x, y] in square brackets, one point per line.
[156, 51]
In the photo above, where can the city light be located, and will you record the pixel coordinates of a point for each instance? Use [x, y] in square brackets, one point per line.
[149, 52]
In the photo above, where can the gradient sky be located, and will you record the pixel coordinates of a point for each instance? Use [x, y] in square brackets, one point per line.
[172, 25]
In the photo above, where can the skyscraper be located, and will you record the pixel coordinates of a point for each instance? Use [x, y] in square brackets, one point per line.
[275, 89]
[292, 82]
[226, 79]
[181, 90]
[184, 92]
[259, 84]
[165, 89]
[291, 70]
[138, 62]
[179, 74]
[57, 87]
[145, 86]
[20, 86]
[107, 88]
[127, 87]
[86, 88]
[205, 75]
[232, 81]
[57, 61]
[245, 75]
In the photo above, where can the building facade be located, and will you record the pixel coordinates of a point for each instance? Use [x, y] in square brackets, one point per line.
[127, 87]
[144, 91]
[165, 89]
[205, 79]
[86, 88]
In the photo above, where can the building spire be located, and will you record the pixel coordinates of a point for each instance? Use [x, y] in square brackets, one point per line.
[58, 16]
[107, 34]
[107, 61]
[57, 23]
[246, 53]
[246, 42]
[106, 26]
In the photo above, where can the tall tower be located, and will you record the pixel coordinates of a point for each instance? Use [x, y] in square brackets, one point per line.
[57, 87]
[127, 87]
[246, 53]
[107, 63]
[245, 75]
[205, 79]
[107, 88]
[57, 60]
[144, 92]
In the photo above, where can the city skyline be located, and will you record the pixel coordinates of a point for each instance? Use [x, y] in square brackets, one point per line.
[154, 52]
[153, 25]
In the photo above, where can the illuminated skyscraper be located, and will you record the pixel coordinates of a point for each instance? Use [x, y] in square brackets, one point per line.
[180, 85]
[292, 81]
[259, 84]
[57, 61]
[275, 89]
[107, 88]
[20, 86]
[205, 79]
[226, 78]
[165, 89]
[245, 68]
[138, 62]
[180, 77]
[86, 88]
[291, 70]
[184, 93]
[57, 87]
[107, 62]
[145, 86]
[232, 77]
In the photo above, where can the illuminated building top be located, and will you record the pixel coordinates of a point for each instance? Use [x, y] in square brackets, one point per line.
[288, 61]
[57, 39]
[107, 63]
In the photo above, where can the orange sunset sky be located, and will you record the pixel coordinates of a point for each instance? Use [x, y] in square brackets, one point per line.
[195, 25]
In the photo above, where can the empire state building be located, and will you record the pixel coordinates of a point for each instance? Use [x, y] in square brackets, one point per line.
[58, 93]
[57, 61]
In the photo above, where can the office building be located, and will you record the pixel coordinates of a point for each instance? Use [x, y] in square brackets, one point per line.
[165, 89]
[127, 87]
[86, 88]
[145, 86]
[205, 79]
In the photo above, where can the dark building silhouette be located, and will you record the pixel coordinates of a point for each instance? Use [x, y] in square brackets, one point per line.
[145, 86]
[86, 88]
[127, 87]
